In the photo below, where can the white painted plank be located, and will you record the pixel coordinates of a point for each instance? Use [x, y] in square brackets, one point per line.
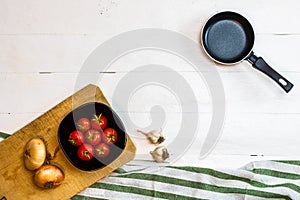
[111, 16]
[31, 93]
[68, 53]
[44, 53]
[227, 161]
[260, 134]
[49, 89]
[99, 16]
[255, 92]
[244, 92]
[61, 53]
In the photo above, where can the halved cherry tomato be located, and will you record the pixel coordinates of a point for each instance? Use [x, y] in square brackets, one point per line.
[102, 150]
[99, 122]
[93, 137]
[76, 138]
[110, 136]
[85, 152]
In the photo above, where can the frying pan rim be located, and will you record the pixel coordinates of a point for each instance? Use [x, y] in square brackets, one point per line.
[208, 54]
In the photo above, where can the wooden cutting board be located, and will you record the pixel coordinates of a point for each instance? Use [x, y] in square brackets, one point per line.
[16, 181]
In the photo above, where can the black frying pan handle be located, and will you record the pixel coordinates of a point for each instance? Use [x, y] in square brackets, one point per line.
[260, 64]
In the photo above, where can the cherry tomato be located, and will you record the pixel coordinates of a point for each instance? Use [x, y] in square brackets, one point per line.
[110, 136]
[102, 150]
[83, 124]
[85, 152]
[99, 122]
[76, 138]
[93, 137]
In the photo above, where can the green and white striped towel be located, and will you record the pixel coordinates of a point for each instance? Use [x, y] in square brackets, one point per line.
[257, 180]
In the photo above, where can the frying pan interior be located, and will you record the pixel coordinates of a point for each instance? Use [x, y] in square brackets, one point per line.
[228, 37]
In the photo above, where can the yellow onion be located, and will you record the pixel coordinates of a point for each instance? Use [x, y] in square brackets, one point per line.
[35, 153]
[48, 176]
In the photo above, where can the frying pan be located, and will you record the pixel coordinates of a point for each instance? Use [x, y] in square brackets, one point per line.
[228, 38]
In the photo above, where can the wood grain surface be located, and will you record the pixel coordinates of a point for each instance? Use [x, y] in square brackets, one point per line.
[16, 182]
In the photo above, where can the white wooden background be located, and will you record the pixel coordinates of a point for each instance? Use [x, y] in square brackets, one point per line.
[43, 45]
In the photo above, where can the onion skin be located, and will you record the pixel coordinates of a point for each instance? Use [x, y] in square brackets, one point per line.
[35, 153]
[48, 176]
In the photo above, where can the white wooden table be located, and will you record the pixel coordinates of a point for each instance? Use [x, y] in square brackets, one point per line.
[44, 44]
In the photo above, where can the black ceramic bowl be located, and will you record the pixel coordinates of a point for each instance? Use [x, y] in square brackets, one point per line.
[68, 125]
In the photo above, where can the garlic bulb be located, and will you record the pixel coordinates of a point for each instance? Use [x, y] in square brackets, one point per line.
[35, 153]
[48, 176]
[153, 136]
[160, 154]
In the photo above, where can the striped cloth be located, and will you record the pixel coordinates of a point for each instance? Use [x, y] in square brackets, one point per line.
[256, 180]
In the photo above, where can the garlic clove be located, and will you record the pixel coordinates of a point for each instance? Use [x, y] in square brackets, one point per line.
[154, 136]
[160, 154]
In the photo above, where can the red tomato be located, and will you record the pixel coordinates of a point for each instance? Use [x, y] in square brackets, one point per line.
[99, 122]
[110, 136]
[93, 137]
[102, 150]
[84, 124]
[85, 152]
[76, 138]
